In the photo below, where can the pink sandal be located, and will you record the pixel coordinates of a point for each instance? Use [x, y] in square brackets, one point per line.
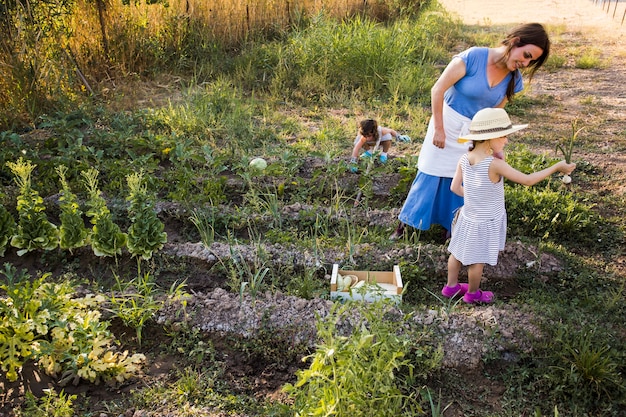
[458, 289]
[478, 297]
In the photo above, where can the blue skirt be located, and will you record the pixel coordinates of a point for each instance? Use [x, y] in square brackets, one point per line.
[429, 202]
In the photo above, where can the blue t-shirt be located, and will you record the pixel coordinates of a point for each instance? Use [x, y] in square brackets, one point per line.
[472, 92]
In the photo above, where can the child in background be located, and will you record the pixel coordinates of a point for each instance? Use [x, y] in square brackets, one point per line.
[479, 232]
[369, 134]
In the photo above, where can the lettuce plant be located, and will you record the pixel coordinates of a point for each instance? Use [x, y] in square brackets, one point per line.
[72, 232]
[107, 239]
[145, 234]
[34, 231]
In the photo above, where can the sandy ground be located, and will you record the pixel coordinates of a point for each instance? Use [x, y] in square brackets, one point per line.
[589, 16]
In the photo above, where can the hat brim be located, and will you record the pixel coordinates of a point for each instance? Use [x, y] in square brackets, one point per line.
[491, 135]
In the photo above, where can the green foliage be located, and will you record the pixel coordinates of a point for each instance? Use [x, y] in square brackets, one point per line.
[34, 231]
[584, 368]
[555, 62]
[7, 228]
[107, 239]
[72, 232]
[136, 301]
[361, 55]
[522, 158]
[566, 146]
[41, 320]
[38, 73]
[363, 373]
[145, 234]
[50, 405]
[204, 221]
[553, 215]
[588, 59]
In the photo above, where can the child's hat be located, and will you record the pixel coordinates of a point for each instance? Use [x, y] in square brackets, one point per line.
[490, 123]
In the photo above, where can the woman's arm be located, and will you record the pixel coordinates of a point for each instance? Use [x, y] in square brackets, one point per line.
[453, 73]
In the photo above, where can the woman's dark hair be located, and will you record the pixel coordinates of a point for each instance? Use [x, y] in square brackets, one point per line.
[369, 126]
[526, 34]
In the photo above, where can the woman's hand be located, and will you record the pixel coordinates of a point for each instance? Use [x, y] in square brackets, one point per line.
[439, 138]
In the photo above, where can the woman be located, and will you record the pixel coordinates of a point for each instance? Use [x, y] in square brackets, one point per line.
[477, 78]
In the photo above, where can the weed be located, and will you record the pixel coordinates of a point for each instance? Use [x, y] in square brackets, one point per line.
[137, 300]
[204, 220]
[245, 275]
[50, 404]
[584, 368]
[447, 304]
[435, 408]
[555, 62]
[589, 59]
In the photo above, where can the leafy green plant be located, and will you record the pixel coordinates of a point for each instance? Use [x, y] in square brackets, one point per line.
[41, 320]
[107, 239]
[362, 373]
[72, 232]
[50, 404]
[34, 231]
[145, 234]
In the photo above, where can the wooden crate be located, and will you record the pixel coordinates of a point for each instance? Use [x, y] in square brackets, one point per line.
[391, 285]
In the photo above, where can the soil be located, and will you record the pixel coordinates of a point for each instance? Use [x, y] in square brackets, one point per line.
[596, 97]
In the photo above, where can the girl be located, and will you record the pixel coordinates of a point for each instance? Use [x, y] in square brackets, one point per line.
[479, 233]
[369, 134]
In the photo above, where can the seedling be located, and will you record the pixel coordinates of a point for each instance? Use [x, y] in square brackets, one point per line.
[566, 147]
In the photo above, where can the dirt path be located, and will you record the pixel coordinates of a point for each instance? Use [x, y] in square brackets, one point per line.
[587, 16]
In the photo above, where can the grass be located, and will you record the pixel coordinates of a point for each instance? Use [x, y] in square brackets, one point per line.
[293, 96]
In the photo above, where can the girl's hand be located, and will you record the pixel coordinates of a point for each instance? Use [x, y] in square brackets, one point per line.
[566, 168]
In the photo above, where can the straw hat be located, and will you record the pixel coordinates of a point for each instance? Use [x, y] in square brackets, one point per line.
[490, 124]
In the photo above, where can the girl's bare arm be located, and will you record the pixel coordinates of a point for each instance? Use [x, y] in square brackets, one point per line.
[500, 168]
[456, 186]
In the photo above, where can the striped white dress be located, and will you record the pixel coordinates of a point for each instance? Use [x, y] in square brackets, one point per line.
[479, 233]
